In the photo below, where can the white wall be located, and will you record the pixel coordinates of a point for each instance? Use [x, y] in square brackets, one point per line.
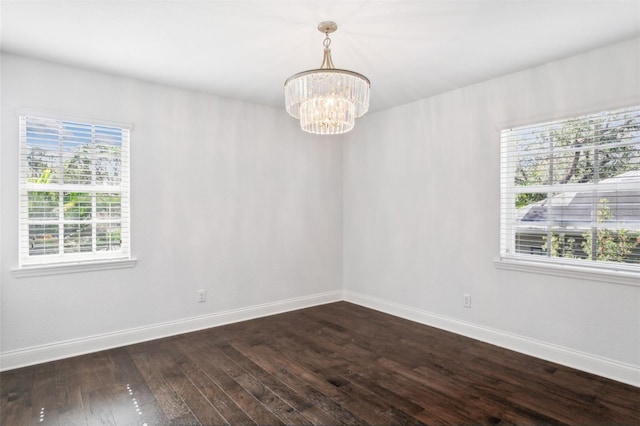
[227, 196]
[421, 213]
[408, 203]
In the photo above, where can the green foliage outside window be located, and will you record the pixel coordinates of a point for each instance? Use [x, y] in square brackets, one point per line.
[579, 153]
[610, 245]
[76, 206]
[567, 163]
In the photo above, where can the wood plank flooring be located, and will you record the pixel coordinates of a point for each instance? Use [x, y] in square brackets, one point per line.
[333, 364]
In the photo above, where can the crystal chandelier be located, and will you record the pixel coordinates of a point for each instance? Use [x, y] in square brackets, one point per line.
[327, 100]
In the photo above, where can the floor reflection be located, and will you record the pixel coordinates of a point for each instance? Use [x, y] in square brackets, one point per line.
[135, 402]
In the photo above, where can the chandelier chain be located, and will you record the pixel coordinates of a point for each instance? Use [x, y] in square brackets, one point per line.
[327, 41]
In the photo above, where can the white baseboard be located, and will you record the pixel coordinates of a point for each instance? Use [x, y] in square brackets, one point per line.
[604, 367]
[611, 369]
[59, 350]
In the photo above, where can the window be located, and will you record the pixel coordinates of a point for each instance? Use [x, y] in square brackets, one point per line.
[74, 192]
[570, 191]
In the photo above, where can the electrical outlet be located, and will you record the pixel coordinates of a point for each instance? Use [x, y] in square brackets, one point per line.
[467, 300]
[202, 296]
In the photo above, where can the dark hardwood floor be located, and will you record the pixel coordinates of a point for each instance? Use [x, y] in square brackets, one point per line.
[332, 364]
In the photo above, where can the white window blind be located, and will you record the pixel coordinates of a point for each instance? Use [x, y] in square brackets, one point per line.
[74, 192]
[570, 191]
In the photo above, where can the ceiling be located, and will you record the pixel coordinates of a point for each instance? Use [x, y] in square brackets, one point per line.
[246, 49]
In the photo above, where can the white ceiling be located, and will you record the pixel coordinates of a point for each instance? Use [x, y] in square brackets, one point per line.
[246, 49]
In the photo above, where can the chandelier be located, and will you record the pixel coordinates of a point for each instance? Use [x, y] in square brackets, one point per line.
[327, 100]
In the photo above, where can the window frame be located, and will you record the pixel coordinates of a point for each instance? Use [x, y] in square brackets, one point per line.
[609, 272]
[34, 265]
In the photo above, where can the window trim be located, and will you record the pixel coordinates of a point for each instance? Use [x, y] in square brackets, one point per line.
[58, 265]
[619, 103]
[69, 268]
[56, 115]
[546, 266]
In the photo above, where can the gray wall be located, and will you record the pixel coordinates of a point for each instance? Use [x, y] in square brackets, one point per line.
[227, 196]
[421, 208]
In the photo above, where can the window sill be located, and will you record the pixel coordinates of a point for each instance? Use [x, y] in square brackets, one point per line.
[621, 277]
[70, 268]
